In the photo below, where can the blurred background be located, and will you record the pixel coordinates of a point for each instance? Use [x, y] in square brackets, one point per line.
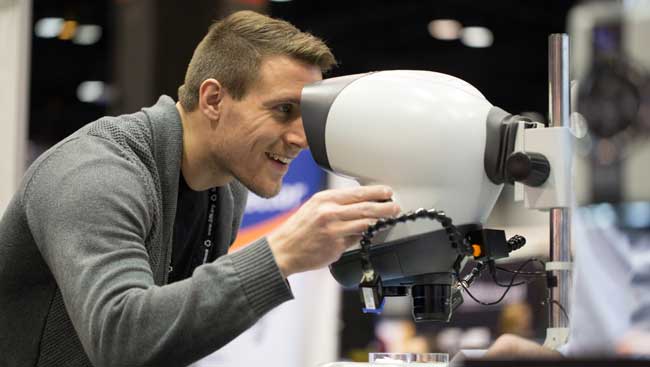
[93, 58]
[74, 61]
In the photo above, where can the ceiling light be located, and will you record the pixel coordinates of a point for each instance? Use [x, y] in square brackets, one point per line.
[87, 34]
[477, 37]
[68, 30]
[90, 91]
[445, 29]
[48, 27]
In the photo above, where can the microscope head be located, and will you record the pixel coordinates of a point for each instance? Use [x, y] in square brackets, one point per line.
[438, 143]
[422, 133]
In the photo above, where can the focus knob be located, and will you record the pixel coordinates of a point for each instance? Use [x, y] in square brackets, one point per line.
[531, 169]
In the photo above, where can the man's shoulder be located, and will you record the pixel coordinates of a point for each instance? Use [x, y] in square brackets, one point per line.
[120, 137]
[130, 132]
[83, 156]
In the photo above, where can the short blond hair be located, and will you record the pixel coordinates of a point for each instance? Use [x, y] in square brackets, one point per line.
[233, 50]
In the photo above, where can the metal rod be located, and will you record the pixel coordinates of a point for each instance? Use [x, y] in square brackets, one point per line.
[558, 79]
[560, 218]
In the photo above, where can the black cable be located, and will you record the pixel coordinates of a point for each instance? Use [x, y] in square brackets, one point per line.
[472, 296]
[566, 315]
[537, 274]
[518, 273]
[532, 259]
[496, 281]
[485, 303]
[524, 273]
[508, 287]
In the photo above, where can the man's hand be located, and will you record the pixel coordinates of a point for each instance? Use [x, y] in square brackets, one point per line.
[635, 343]
[326, 225]
[510, 346]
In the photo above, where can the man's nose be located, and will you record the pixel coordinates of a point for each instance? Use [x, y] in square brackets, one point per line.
[296, 135]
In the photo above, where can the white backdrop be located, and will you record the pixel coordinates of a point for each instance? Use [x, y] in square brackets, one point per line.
[15, 38]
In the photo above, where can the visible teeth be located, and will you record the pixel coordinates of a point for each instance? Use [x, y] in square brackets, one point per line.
[279, 158]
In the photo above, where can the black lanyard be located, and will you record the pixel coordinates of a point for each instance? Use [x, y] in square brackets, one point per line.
[198, 248]
[208, 246]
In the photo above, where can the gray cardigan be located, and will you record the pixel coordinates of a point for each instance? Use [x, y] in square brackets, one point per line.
[85, 246]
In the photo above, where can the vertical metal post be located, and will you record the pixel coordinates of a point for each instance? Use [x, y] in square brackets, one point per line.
[560, 218]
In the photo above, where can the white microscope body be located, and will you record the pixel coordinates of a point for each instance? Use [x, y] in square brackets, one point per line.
[440, 144]
[423, 134]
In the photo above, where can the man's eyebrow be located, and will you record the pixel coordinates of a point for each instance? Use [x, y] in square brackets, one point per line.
[277, 101]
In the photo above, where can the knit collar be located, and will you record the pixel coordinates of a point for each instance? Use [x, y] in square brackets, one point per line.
[167, 137]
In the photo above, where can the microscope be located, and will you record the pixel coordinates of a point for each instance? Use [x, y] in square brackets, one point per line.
[446, 152]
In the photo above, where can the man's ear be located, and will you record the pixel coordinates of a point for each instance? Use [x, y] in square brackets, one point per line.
[210, 97]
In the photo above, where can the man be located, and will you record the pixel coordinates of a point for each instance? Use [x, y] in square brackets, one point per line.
[112, 252]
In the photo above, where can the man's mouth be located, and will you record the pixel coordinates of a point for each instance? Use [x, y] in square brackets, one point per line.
[279, 158]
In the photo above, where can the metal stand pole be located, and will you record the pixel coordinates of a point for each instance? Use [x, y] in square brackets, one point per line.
[560, 218]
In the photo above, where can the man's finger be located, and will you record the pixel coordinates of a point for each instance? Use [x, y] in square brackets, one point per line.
[368, 209]
[357, 194]
[352, 227]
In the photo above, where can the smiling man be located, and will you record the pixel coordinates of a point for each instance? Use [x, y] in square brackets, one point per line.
[254, 138]
[114, 250]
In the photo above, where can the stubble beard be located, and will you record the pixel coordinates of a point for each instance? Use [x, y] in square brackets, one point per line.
[248, 178]
[260, 191]
[256, 185]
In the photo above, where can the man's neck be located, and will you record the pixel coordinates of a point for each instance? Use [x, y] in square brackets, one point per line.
[197, 167]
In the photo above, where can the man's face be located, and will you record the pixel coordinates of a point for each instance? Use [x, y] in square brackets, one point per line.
[256, 137]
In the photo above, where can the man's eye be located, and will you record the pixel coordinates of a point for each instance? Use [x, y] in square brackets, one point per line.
[285, 108]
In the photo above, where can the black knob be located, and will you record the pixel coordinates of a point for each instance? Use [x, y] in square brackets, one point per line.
[515, 242]
[531, 169]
